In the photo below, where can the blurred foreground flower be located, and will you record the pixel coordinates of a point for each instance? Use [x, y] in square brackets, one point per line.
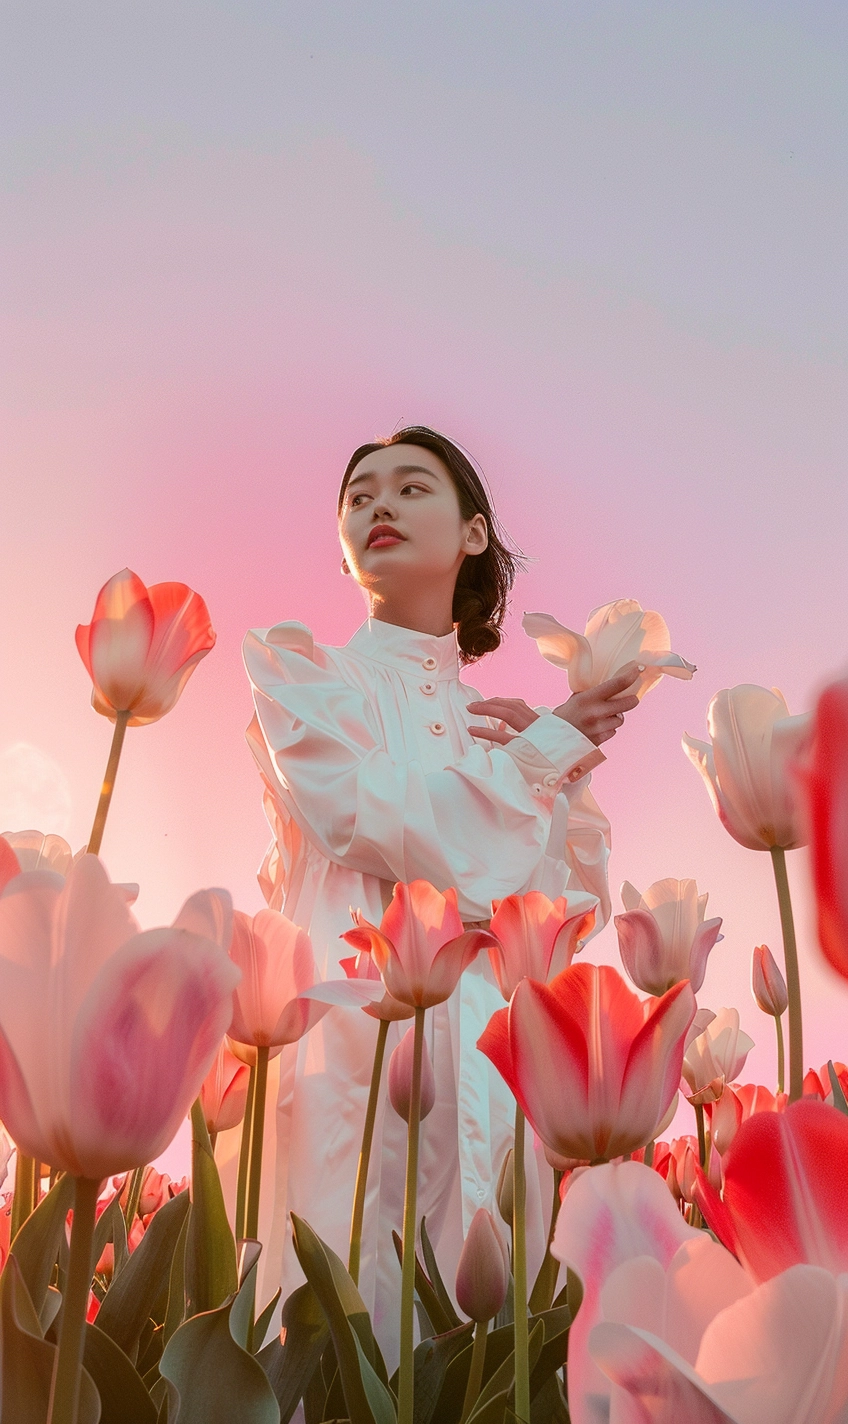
[594, 1069]
[36, 851]
[663, 936]
[616, 634]
[106, 1032]
[420, 947]
[536, 937]
[827, 791]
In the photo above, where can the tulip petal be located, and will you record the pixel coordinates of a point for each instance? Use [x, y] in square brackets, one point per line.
[208, 913]
[827, 793]
[666, 1389]
[297, 1018]
[143, 1042]
[119, 640]
[784, 1191]
[642, 951]
[9, 864]
[562, 647]
[705, 939]
[348, 993]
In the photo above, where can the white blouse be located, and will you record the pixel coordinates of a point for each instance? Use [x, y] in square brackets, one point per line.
[371, 777]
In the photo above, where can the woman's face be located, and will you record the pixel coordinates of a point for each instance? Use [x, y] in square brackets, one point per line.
[400, 519]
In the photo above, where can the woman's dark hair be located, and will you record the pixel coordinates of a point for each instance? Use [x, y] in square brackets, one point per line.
[482, 587]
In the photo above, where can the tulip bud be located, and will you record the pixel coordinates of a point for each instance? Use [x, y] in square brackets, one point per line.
[482, 1276]
[504, 1193]
[400, 1078]
[767, 982]
[725, 1120]
[686, 1173]
[811, 1087]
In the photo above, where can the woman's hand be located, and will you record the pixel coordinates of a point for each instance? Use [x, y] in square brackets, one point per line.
[598, 713]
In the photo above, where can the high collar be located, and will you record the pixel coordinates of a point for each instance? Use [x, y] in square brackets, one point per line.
[407, 650]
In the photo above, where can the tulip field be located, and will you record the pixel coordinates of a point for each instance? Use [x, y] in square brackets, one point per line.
[697, 1279]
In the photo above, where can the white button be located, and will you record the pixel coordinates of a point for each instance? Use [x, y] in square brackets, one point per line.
[551, 779]
[480, 1194]
[576, 774]
[537, 788]
[437, 728]
[429, 664]
[429, 688]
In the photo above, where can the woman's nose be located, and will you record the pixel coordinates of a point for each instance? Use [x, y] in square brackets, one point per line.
[382, 511]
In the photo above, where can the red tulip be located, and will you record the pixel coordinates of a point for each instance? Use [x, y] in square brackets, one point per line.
[784, 1191]
[482, 1276]
[826, 780]
[277, 964]
[400, 1078]
[593, 1068]
[362, 967]
[9, 864]
[537, 937]
[142, 645]
[223, 1094]
[106, 1034]
[420, 947]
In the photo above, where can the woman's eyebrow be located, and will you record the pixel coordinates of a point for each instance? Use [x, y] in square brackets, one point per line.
[398, 470]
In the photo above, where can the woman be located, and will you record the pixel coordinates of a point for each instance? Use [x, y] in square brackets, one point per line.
[381, 765]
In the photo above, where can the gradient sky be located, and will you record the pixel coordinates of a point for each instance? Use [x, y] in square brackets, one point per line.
[600, 244]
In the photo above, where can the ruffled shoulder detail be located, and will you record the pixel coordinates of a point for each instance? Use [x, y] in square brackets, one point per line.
[293, 636]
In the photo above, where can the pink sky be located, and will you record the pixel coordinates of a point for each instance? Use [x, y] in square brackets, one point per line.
[599, 246]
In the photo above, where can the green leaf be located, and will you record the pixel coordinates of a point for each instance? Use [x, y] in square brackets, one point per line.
[290, 1366]
[36, 1246]
[548, 1405]
[836, 1088]
[217, 1382]
[211, 1274]
[26, 1360]
[123, 1397]
[554, 1351]
[50, 1309]
[345, 1311]
[382, 1401]
[132, 1295]
[544, 1287]
[504, 1376]
[263, 1320]
[175, 1309]
[435, 1278]
[440, 1321]
[241, 1311]
[430, 1364]
[111, 1227]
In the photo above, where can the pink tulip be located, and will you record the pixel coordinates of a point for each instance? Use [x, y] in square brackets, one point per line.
[593, 1068]
[616, 634]
[663, 936]
[827, 794]
[362, 967]
[717, 1056]
[537, 937]
[746, 766]
[482, 1276]
[726, 1118]
[223, 1094]
[609, 1215]
[9, 864]
[276, 961]
[767, 983]
[818, 1084]
[784, 1191]
[756, 1099]
[420, 948]
[142, 645]
[400, 1078]
[775, 1355]
[106, 1033]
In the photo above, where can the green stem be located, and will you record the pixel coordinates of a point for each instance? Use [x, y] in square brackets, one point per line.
[793, 979]
[702, 1136]
[781, 1052]
[519, 1270]
[410, 1206]
[475, 1373]
[133, 1197]
[649, 1154]
[365, 1154]
[244, 1156]
[65, 1384]
[257, 1132]
[23, 1201]
[94, 840]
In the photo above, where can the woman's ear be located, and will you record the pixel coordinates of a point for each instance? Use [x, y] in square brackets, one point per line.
[476, 535]
[345, 569]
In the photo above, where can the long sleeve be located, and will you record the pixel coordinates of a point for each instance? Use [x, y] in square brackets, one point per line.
[481, 823]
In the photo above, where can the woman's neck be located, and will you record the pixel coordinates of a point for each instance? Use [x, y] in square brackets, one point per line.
[421, 610]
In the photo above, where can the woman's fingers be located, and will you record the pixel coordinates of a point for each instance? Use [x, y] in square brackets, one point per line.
[624, 678]
[492, 734]
[506, 709]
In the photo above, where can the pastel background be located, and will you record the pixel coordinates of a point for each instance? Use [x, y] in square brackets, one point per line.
[600, 244]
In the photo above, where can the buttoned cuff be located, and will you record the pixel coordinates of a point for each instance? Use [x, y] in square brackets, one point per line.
[552, 753]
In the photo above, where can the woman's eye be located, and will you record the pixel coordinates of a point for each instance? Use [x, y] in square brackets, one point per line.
[355, 498]
[418, 488]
